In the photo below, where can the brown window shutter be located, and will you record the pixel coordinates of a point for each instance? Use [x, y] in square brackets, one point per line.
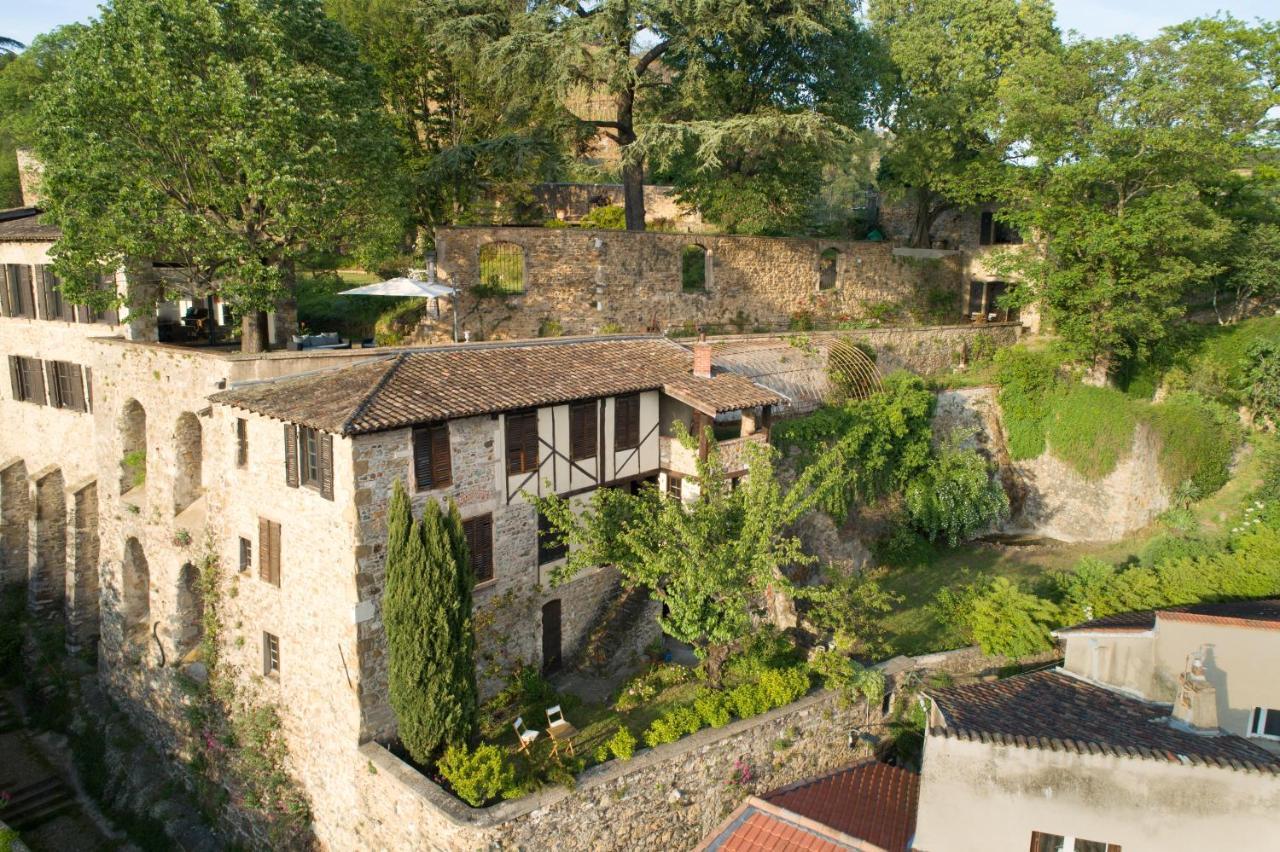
[479, 535]
[41, 282]
[26, 298]
[582, 430]
[6, 289]
[522, 442]
[441, 459]
[77, 388]
[264, 549]
[326, 465]
[275, 553]
[51, 382]
[33, 369]
[626, 422]
[15, 379]
[422, 478]
[291, 455]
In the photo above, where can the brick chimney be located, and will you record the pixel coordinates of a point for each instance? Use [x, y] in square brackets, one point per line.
[702, 358]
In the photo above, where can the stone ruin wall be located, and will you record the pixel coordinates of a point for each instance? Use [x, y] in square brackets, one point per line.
[586, 280]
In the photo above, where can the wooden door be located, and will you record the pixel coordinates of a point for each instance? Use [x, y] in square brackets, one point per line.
[551, 654]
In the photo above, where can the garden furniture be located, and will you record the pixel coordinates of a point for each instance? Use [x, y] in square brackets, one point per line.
[559, 729]
[526, 735]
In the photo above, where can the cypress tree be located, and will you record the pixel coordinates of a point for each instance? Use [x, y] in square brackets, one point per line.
[427, 613]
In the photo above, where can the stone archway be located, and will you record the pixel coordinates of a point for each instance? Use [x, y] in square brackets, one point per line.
[188, 473]
[135, 598]
[15, 519]
[47, 579]
[188, 620]
[83, 582]
[133, 446]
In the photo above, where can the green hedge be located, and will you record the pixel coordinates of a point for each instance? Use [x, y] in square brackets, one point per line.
[1091, 429]
[1197, 441]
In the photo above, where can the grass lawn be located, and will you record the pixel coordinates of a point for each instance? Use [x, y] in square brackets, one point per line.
[321, 309]
[913, 627]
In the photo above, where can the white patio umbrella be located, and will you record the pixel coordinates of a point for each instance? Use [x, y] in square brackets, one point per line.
[410, 287]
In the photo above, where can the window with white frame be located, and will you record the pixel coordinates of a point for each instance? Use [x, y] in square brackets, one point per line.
[1044, 842]
[1265, 722]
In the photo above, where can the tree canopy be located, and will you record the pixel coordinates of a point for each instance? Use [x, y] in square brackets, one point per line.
[1130, 151]
[231, 138]
[947, 59]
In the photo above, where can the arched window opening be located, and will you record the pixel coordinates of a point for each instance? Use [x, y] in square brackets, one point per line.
[828, 267]
[502, 268]
[694, 268]
[188, 482]
[188, 628]
[48, 580]
[135, 594]
[133, 446]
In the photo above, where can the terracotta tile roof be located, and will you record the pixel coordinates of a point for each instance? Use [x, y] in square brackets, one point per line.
[758, 826]
[1056, 711]
[26, 225]
[871, 801]
[720, 393]
[1256, 613]
[441, 383]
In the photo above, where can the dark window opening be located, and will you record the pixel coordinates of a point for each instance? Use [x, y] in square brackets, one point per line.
[828, 266]
[693, 269]
[727, 430]
[992, 231]
[246, 554]
[309, 456]
[502, 268]
[242, 442]
[675, 486]
[550, 547]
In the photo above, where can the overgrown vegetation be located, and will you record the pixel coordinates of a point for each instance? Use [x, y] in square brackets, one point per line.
[1007, 618]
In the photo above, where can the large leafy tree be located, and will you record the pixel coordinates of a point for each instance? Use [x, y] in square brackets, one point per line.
[21, 76]
[461, 145]
[233, 138]
[946, 61]
[654, 59]
[426, 609]
[1130, 152]
[713, 561]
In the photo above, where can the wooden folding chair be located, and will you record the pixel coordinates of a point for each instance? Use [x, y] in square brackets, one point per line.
[559, 729]
[527, 735]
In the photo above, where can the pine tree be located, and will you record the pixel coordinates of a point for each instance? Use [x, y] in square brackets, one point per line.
[427, 613]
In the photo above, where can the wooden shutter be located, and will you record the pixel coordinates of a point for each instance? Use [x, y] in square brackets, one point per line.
[55, 390]
[269, 551]
[291, 455]
[522, 442]
[479, 535]
[6, 310]
[33, 370]
[626, 422]
[77, 388]
[325, 453]
[441, 457]
[25, 297]
[15, 379]
[582, 430]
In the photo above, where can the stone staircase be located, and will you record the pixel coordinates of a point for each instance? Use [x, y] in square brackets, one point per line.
[602, 644]
[37, 803]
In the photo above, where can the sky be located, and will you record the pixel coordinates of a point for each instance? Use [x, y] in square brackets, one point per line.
[24, 19]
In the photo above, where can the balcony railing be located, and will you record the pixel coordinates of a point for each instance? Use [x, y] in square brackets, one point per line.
[677, 458]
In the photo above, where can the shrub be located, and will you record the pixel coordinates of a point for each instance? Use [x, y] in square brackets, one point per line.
[1260, 379]
[843, 674]
[1197, 441]
[714, 708]
[477, 776]
[135, 467]
[1092, 429]
[612, 217]
[852, 606]
[782, 686]
[956, 497]
[1000, 617]
[672, 725]
[1028, 380]
[748, 700]
[622, 744]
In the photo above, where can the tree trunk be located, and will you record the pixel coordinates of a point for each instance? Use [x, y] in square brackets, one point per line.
[286, 324]
[253, 332]
[717, 656]
[924, 219]
[632, 168]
